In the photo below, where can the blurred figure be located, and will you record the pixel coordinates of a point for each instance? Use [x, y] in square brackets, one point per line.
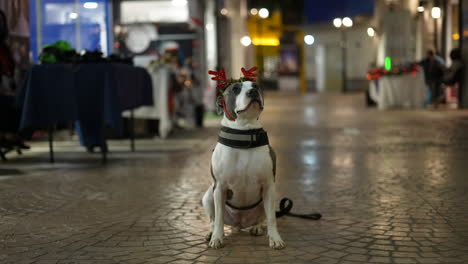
[9, 114]
[453, 78]
[433, 67]
[454, 74]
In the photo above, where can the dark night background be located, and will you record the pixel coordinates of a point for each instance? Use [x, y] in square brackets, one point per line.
[315, 11]
[323, 11]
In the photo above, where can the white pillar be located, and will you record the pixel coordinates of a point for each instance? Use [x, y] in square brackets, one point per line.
[320, 61]
[237, 13]
[448, 28]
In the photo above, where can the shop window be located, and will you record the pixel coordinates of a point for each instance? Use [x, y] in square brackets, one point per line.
[154, 11]
[84, 24]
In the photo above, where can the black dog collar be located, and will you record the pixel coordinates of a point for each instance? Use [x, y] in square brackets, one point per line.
[243, 139]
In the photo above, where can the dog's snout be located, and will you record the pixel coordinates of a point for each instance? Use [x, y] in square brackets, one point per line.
[253, 93]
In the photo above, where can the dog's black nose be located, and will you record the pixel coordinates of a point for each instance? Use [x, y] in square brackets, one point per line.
[253, 93]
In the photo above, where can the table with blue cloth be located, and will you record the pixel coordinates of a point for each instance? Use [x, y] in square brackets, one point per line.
[93, 94]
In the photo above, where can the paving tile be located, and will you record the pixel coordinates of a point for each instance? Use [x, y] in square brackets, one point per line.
[391, 186]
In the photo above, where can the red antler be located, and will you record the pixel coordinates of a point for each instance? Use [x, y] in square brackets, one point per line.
[221, 78]
[218, 76]
[250, 74]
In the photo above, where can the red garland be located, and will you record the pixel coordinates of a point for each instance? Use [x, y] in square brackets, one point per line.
[377, 73]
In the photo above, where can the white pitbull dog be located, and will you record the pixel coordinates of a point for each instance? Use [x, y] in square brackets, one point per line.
[243, 167]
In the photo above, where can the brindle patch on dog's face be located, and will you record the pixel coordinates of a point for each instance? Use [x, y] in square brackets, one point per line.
[239, 103]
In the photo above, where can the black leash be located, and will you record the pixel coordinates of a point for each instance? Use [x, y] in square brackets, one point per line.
[285, 209]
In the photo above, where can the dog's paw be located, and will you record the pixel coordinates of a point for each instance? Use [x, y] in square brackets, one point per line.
[277, 243]
[257, 230]
[208, 236]
[216, 242]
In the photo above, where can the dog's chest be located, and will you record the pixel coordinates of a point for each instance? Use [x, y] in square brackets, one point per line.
[241, 166]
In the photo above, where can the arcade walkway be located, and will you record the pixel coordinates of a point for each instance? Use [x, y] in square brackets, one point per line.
[392, 187]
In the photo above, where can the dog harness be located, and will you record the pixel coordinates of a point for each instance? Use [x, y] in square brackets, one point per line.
[243, 139]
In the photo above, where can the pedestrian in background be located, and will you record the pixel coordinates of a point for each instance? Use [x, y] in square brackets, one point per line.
[434, 67]
[9, 113]
[454, 74]
[453, 78]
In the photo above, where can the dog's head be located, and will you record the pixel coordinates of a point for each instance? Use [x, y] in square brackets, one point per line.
[242, 100]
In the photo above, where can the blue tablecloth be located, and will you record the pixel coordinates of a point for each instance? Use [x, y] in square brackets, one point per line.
[93, 94]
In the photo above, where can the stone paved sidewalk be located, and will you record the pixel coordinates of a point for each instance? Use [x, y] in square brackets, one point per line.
[392, 187]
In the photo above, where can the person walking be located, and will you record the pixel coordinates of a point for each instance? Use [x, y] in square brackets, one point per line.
[453, 77]
[434, 68]
[9, 113]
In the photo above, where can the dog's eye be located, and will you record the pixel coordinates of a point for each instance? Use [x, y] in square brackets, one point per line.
[236, 89]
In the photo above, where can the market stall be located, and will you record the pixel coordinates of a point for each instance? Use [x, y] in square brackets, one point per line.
[402, 87]
[95, 94]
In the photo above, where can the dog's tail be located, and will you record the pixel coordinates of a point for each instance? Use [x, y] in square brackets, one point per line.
[286, 205]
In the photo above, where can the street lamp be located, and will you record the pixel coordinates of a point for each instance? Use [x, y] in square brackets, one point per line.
[370, 32]
[337, 22]
[246, 41]
[420, 7]
[435, 12]
[347, 22]
[263, 13]
[309, 39]
[343, 23]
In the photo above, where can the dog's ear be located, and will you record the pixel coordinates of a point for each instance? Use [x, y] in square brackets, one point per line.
[219, 105]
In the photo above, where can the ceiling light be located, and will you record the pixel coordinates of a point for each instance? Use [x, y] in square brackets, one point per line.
[179, 2]
[90, 5]
[73, 15]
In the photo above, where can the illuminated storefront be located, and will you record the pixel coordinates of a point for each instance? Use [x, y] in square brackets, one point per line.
[82, 23]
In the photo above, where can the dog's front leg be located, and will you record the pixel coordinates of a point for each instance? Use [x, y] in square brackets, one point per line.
[218, 228]
[269, 202]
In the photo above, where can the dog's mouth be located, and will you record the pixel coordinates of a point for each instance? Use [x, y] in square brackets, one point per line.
[252, 102]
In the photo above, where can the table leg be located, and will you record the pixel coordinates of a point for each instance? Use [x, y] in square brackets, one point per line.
[132, 131]
[103, 146]
[104, 153]
[51, 146]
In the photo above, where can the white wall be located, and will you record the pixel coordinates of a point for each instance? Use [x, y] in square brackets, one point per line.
[361, 49]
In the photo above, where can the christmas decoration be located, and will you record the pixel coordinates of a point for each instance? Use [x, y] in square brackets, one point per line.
[377, 73]
[223, 82]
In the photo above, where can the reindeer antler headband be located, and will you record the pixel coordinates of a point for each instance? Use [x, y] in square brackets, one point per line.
[223, 83]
